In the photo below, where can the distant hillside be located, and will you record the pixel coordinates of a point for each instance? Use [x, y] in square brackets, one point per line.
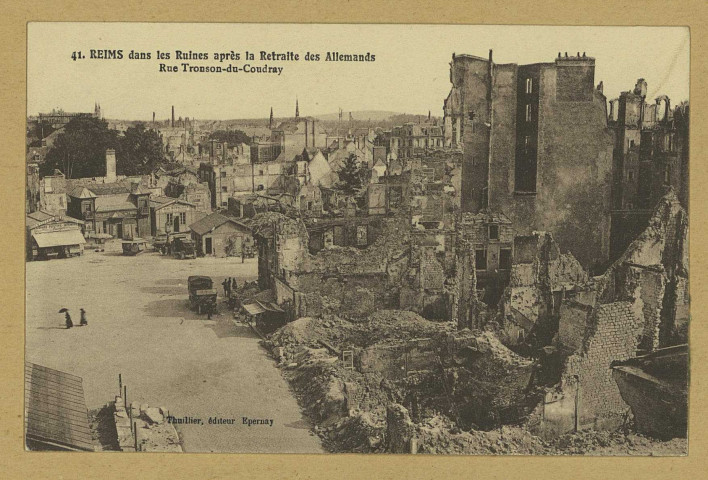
[361, 119]
[373, 115]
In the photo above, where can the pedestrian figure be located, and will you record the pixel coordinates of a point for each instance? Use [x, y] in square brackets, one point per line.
[83, 321]
[233, 284]
[69, 323]
[225, 284]
[243, 255]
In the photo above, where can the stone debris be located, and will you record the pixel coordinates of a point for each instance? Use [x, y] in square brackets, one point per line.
[149, 429]
[153, 415]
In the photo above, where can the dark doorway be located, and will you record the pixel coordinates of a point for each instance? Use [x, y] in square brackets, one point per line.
[207, 246]
[505, 259]
[176, 224]
[119, 230]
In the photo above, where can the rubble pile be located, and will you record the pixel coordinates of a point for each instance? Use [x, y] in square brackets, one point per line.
[360, 433]
[363, 412]
[486, 384]
[311, 331]
[593, 442]
[350, 407]
[393, 326]
[264, 223]
[390, 380]
[317, 382]
[392, 243]
[347, 409]
[381, 328]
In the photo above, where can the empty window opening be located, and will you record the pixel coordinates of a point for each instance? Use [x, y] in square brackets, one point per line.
[494, 232]
[480, 258]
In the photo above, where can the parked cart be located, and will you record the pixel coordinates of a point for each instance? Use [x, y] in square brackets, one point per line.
[202, 294]
[184, 248]
[134, 247]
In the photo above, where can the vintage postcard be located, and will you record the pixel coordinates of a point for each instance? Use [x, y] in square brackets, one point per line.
[330, 238]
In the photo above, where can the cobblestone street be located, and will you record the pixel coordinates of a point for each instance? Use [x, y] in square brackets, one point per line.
[140, 325]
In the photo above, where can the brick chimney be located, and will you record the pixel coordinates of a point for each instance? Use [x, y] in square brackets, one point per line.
[110, 165]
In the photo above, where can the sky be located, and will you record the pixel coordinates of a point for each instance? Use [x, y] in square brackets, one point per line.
[410, 73]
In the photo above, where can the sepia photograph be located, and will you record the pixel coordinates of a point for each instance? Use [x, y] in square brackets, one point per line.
[357, 238]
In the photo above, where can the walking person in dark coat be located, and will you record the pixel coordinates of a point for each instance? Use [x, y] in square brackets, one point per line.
[83, 318]
[225, 284]
[69, 323]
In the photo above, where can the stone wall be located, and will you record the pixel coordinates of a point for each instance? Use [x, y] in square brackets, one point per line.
[574, 318]
[432, 274]
[637, 305]
[587, 389]
[613, 336]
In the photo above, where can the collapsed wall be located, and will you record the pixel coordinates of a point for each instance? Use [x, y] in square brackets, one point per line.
[640, 304]
[576, 325]
[487, 383]
[541, 277]
[348, 281]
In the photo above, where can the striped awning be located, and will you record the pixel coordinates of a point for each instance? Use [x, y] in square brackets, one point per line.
[55, 409]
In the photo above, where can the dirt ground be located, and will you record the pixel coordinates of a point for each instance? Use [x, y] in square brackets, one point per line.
[140, 325]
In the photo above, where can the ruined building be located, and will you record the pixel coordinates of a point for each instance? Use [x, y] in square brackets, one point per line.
[574, 324]
[639, 305]
[650, 154]
[337, 278]
[536, 147]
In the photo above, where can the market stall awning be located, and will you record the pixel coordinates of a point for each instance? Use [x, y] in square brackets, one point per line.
[55, 410]
[270, 306]
[253, 308]
[58, 239]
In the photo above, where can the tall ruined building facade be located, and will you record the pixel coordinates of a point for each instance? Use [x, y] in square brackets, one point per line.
[650, 156]
[536, 147]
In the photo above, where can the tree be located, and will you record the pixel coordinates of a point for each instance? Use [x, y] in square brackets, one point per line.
[232, 137]
[352, 175]
[80, 150]
[141, 151]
